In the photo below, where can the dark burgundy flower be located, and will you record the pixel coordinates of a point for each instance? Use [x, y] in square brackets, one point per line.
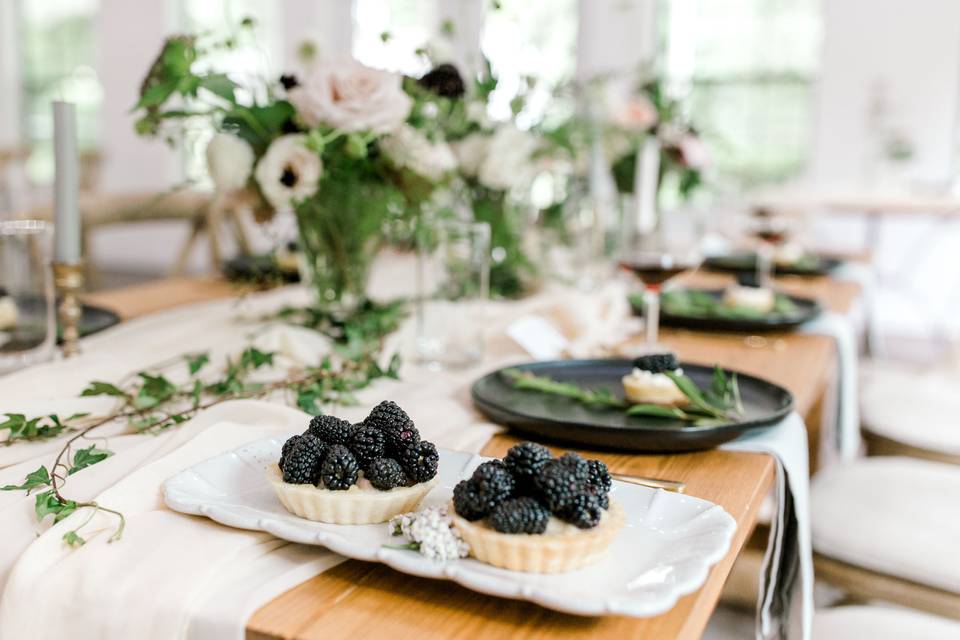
[444, 80]
[289, 81]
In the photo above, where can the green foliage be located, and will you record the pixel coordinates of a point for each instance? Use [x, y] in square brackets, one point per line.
[88, 457]
[720, 404]
[703, 304]
[34, 480]
[511, 275]
[97, 388]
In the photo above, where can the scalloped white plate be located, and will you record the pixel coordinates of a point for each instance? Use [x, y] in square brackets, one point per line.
[665, 551]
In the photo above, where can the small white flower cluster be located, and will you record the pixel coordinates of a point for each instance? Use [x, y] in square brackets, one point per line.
[430, 529]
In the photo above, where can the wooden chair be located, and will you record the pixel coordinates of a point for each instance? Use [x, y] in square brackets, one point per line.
[909, 412]
[206, 213]
[886, 528]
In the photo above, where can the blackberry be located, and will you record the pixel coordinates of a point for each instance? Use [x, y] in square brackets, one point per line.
[385, 474]
[340, 469]
[602, 496]
[367, 444]
[520, 515]
[287, 448]
[657, 362]
[576, 463]
[467, 501]
[494, 483]
[599, 476]
[583, 511]
[396, 425]
[558, 485]
[524, 461]
[330, 429]
[302, 464]
[420, 462]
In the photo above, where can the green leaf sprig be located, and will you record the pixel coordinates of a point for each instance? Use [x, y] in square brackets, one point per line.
[720, 404]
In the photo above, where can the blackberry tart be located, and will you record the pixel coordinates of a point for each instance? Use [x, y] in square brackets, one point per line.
[340, 473]
[535, 513]
[649, 384]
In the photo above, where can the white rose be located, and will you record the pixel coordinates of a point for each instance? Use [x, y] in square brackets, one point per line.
[471, 152]
[509, 161]
[347, 95]
[407, 147]
[694, 152]
[229, 161]
[288, 171]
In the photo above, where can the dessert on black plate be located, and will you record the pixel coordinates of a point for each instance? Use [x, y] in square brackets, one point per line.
[343, 473]
[648, 382]
[536, 513]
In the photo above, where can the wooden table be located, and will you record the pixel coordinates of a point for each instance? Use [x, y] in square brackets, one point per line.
[358, 599]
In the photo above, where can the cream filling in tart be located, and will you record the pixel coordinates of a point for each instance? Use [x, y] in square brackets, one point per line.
[787, 253]
[562, 547]
[360, 504]
[8, 313]
[643, 387]
[755, 298]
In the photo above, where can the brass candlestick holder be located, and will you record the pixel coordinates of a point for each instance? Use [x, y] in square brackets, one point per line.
[68, 280]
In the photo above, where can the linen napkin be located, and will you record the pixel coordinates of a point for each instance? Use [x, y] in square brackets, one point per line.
[843, 422]
[785, 603]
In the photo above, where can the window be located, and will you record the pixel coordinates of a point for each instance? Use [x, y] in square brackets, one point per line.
[389, 34]
[58, 51]
[535, 40]
[748, 67]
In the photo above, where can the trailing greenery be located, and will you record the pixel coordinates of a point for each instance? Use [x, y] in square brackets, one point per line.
[717, 405]
[162, 397]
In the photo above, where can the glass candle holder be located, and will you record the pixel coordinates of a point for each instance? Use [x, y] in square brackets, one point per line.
[27, 316]
[453, 274]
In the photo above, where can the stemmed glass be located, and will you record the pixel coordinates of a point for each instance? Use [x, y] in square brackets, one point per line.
[654, 261]
[770, 233]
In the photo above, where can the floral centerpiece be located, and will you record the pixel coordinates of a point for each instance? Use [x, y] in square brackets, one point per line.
[651, 117]
[347, 147]
[496, 163]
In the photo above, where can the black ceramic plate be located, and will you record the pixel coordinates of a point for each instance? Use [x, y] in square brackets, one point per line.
[802, 310]
[738, 262]
[92, 320]
[555, 418]
[257, 269]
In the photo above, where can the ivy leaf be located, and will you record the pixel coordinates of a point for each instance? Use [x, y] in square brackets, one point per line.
[197, 362]
[97, 388]
[157, 95]
[47, 503]
[155, 390]
[254, 358]
[87, 457]
[34, 480]
[73, 539]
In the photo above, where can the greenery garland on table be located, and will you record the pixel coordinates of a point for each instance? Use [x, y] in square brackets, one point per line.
[148, 401]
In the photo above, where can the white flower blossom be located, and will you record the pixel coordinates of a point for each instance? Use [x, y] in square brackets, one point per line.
[347, 95]
[229, 162]
[431, 530]
[509, 160]
[288, 171]
[471, 151]
[408, 148]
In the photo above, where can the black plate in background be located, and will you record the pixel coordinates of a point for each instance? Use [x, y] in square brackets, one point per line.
[555, 418]
[740, 262]
[807, 309]
[93, 319]
[257, 269]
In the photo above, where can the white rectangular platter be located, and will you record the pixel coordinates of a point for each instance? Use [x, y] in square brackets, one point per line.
[664, 551]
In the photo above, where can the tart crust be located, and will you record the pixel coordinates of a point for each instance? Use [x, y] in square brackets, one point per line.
[350, 506]
[540, 553]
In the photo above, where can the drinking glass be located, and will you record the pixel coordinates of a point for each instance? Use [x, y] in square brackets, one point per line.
[654, 260]
[453, 273]
[27, 320]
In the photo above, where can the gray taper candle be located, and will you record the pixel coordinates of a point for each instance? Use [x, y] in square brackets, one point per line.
[66, 184]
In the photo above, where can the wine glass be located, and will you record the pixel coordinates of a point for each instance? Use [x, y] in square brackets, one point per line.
[770, 232]
[654, 261]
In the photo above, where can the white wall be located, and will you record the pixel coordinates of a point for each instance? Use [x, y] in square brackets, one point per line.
[911, 49]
